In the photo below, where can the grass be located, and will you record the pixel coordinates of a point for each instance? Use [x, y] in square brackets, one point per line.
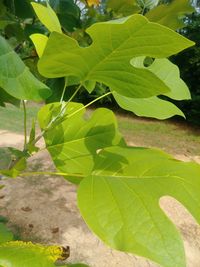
[11, 118]
[173, 137]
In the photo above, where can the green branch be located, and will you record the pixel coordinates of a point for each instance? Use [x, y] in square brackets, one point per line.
[25, 123]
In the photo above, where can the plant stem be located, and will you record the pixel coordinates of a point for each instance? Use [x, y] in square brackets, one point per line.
[25, 123]
[63, 92]
[89, 104]
[76, 91]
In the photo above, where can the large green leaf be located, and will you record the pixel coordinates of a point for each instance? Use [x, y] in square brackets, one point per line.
[171, 15]
[21, 254]
[123, 7]
[74, 142]
[15, 77]
[107, 60]
[120, 201]
[154, 106]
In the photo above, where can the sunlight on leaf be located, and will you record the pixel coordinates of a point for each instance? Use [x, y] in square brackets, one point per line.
[39, 41]
[107, 60]
[120, 201]
[47, 16]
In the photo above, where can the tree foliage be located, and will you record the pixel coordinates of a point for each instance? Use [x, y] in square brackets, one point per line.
[119, 187]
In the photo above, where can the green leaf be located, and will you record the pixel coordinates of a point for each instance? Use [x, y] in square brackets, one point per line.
[14, 30]
[149, 4]
[47, 16]
[6, 98]
[2, 8]
[20, 8]
[172, 14]
[12, 161]
[31, 147]
[123, 7]
[107, 60]
[74, 142]
[120, 201]
[5, 234]
[22, 254]
[15, 77]
[154, 106]
[56, 86]
[39, 40]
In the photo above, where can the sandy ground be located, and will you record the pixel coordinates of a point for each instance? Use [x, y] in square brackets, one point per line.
[43, 209]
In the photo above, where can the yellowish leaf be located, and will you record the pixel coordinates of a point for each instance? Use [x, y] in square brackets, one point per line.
[39, 40]
[93, 2]
[47, 16]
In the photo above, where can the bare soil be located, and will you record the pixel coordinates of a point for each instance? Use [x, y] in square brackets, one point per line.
[43, 209]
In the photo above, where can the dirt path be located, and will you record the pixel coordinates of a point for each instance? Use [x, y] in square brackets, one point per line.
[43, 209]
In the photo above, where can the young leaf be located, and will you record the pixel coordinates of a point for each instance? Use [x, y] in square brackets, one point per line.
[74, 142]
[171, 15]
[47, 16]
[107, 60]
[120, 201]
[154, 106]
[39, 40]
[12, 161]
[22, 254]
[15, 77]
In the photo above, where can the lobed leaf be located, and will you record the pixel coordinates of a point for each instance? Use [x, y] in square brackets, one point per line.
[107, 60]
[74, 142]
[154, 106]
[120, 201]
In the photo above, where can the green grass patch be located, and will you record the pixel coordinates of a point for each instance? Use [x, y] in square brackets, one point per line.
[11, 118]
[173, 137]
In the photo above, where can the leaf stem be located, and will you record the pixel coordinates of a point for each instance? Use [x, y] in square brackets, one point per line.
[89, 104]
[25, 123]
[63, 92]
[73, 95]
